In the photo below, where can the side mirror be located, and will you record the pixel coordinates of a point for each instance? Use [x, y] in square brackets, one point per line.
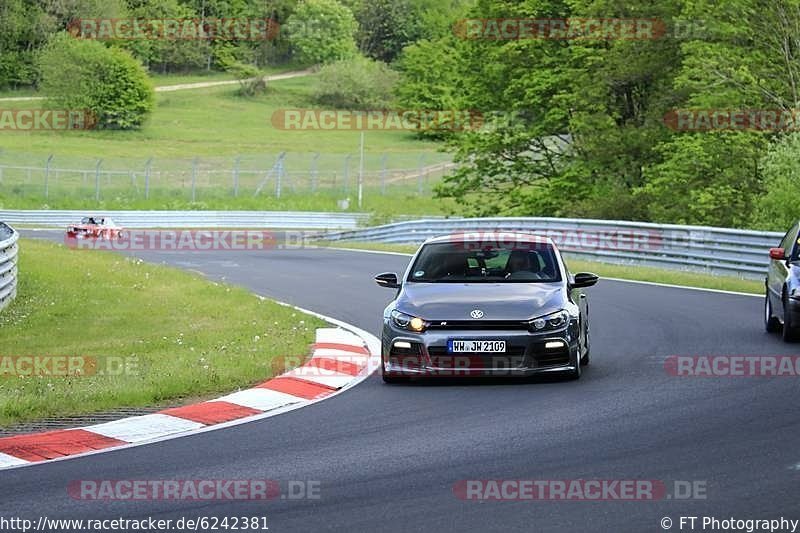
[779, 254]
[584, 279]
[388, 280]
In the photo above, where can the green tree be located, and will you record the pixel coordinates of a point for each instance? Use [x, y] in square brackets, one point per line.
[620, 92]
[166, 55]
[503, 165]
[322, 31]
[775, 209]
[696, 183]
[430, 76]
[87, 75]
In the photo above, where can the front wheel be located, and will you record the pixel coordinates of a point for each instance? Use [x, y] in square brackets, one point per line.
[575, 373]
[388, 378]
[771, 322]
[587, 349]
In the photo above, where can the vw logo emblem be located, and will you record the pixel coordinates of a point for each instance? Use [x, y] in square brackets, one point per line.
[477, 313]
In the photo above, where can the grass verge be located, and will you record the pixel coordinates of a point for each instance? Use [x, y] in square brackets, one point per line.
[607, 270]
[180, 335]
[212, 121]
[216, 126]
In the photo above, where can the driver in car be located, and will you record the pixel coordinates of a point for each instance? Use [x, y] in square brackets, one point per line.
[521, 267]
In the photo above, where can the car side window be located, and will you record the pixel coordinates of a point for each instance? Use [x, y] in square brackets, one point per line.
[789, 242]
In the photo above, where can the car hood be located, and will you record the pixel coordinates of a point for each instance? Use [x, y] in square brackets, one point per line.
[498, 301]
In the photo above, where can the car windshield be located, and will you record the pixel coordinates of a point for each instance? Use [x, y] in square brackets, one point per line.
[457, 263]
[91, 220]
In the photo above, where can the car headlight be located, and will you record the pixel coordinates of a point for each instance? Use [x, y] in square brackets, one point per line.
[556, 320]
[411, 323]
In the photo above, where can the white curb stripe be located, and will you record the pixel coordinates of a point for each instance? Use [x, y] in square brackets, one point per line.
[10, 460]
[261, 399]
[146, 427]
[338, 336]
[158, 427]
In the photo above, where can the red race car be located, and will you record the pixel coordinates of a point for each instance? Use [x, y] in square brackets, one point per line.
[96, 227]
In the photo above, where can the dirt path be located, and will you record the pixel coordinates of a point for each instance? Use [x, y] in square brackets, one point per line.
[186, 86]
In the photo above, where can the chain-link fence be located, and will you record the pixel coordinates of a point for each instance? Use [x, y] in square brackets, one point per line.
[201, 178]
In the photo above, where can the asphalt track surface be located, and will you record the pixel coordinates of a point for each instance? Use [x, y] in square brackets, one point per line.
[387, 457]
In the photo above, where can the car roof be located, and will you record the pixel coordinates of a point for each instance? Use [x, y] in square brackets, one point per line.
[491, 237]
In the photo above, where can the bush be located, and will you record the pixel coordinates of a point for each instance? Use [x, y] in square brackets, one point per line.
[322, 31]
[87, 75]
[357, 83]
[251, 79]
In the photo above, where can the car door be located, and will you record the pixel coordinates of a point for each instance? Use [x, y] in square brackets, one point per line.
[578, 297]
[779, 269]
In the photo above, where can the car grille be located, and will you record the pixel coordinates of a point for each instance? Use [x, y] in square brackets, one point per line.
[557, 358]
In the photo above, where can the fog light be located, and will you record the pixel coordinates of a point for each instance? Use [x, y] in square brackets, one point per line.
[553, 345]
[402, 344]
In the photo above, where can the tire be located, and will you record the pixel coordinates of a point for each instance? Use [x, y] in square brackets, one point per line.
[790, 330]
[575, 374]
[771, 322]
[585, 358]
[392, 380]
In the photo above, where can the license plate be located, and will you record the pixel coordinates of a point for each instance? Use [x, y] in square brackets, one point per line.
[472, 346]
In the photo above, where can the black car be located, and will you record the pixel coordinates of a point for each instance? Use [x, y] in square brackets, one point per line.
[782, 301]
[485, 305]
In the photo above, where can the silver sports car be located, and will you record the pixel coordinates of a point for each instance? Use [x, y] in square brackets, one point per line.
[478, 304]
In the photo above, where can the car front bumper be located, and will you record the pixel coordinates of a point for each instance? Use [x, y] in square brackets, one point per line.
[526, 353]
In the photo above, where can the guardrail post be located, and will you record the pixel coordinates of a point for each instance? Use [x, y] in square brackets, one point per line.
[347, 173]
[97, 180]
[236, 164]
[314, 172]
[278, 164]
[384, 170]
[194, 178]
[279, 176]
[420, 173]
[47, 176]
[148, 167]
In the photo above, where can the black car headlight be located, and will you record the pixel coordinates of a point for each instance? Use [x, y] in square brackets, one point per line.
[411, 323]
[557, 320]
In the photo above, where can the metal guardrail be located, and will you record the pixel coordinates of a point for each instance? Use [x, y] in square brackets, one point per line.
[194, 219]
[743, 253]
[8, 264]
